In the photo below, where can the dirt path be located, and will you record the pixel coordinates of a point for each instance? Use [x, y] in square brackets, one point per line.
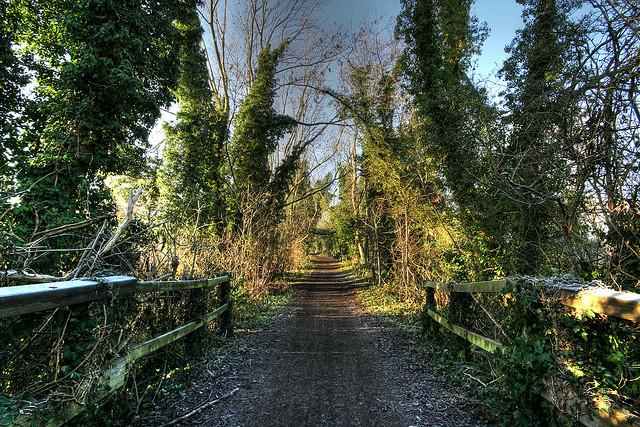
[322, 363]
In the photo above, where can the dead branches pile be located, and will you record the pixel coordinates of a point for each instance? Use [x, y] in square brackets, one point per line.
[92, 258]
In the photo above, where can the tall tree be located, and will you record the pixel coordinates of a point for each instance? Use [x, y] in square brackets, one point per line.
[258, 127]
[191, 178]
[452, 115]
[534, 75]
[255, 142]
[441, 37]
[101, 70]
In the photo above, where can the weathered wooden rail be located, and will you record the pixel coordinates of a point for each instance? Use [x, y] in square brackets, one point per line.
[25, 299]
[624, 305]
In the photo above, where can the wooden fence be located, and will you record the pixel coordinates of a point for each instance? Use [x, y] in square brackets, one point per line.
[624, 305]
[24, 299]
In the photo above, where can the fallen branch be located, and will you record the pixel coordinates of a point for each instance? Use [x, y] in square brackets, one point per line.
[27, 277]
[23, 276]
[76, 271]
[69, 227]
[127, 219]
[474, 378]
[200, 408]
[497, 325]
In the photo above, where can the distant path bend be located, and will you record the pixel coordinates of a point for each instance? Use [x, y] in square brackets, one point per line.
[324, 362]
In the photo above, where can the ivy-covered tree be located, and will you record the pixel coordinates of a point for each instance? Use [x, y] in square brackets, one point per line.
[258, 127]
[455, 124]
[12, 79]
[441, 37]
[101, 71]
[381, 157]
[538, 105]
[190, 178]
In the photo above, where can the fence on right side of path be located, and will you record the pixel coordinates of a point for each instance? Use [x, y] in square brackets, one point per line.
[565, 332]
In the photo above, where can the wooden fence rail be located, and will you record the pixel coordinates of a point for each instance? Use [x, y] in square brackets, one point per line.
[18, 300]
[23, 299]
[476, 339]
[624, 305]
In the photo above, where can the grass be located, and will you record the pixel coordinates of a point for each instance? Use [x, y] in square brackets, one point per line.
[379, 301]
[251, 314]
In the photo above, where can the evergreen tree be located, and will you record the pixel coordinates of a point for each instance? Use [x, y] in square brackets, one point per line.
[258, 127]
[191, 179]
[537, 101]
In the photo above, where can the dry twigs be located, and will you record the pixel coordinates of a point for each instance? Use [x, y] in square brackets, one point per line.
[200, 408]
[88, 262]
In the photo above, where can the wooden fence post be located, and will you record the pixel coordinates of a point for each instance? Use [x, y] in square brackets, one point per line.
[459, 305]
[429, 326]
[226, 327]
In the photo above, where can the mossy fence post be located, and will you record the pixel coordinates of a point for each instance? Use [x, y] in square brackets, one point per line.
[460, 304]
[226, 319]
[429, 327]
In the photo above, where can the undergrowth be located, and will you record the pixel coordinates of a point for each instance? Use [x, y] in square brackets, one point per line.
[591, 356]
[378, 301]
[250, 314]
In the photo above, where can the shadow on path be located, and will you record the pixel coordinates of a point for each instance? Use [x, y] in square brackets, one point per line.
[323, 363]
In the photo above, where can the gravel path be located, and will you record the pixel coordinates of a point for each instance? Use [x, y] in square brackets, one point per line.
[323, 362]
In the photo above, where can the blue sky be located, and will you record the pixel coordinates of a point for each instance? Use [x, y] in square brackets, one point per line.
[502, 18]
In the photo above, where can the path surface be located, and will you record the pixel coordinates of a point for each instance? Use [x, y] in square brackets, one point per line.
[324, 362]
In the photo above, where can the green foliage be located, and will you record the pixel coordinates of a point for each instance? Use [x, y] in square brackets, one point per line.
[528, 357]
[441, 37]
[455, 127]
[516, 174]
[343, 226]
[592, 353]
[258, 188]
[544, 343]
[12, 79]
[380, 301]
[100, 70]
[103, 72]
[190, 178]
[258, 127]
[251, 313]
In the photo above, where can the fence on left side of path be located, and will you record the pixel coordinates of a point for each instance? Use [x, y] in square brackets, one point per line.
[37, 311]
